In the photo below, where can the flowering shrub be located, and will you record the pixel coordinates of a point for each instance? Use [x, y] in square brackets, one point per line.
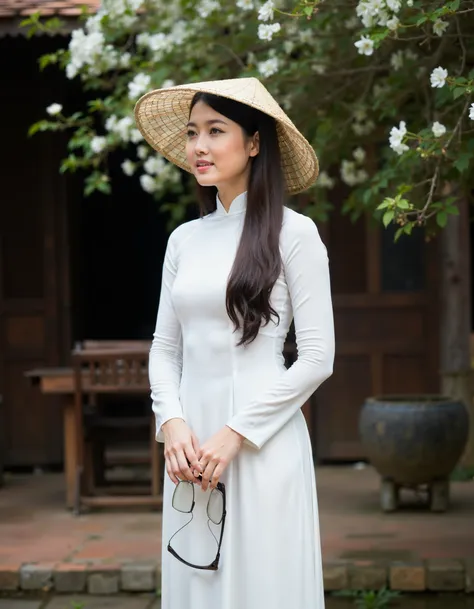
[381, 88]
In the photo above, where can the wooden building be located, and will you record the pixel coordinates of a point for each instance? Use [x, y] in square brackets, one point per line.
[74, 268]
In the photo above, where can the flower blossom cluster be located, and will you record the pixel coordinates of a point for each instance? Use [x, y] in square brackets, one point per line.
[396, 138]
[124, 128]
[352, 173]
[269, 67]
[266, 31]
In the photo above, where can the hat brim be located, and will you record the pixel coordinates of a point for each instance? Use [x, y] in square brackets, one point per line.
[162, 116]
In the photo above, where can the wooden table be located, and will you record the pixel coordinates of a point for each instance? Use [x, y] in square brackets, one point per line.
[60, 381]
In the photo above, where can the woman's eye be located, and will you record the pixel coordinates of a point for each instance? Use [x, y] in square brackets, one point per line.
[191, 133]
[215, 130]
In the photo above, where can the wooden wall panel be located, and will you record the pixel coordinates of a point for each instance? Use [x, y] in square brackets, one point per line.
[403, 373]
[338, 404]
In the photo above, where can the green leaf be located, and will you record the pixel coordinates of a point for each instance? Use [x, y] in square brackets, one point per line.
[458, 91]
[441, 219]
[403, 204]
[398, 234]
[422, 20]
[453, 210]
[463, 161]
[388, 217]
[308, 11]
[385, 204]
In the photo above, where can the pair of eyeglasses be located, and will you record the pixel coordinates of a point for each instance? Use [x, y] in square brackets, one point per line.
[183, 501]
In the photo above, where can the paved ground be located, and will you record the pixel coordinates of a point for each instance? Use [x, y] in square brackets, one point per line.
[84, 602]
[127, 602]
[35, 527]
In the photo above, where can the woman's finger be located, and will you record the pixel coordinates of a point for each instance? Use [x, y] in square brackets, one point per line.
[207, 475]
[175, 467]
[217, 473]
[184, 468]
[169, 469]
[192, 457]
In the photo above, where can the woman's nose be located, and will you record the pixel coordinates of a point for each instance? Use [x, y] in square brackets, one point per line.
[200, 145]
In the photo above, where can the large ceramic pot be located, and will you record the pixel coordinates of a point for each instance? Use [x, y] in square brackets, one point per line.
[413, 440]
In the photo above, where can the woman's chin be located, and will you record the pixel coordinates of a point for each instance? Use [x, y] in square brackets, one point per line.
[204, 180]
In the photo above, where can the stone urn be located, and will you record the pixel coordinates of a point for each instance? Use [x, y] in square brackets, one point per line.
[414, 441]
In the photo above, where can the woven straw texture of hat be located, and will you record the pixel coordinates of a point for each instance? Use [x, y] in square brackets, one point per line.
[162, 116]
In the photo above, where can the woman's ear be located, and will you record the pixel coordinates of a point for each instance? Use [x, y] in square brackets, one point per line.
[255, 144]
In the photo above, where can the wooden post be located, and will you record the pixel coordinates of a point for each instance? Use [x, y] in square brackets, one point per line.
[456, 316]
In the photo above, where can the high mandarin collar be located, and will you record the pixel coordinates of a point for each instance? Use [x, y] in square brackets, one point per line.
[238, 205]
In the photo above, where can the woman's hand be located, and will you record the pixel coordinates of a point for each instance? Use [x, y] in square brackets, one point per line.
[182, 451]
[217, 453]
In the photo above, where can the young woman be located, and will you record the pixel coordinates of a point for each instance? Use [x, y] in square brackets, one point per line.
[237, 449]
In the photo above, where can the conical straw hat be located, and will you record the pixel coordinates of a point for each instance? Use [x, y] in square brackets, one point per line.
[162, 115]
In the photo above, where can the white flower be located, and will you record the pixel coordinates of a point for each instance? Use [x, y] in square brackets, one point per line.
[120, 127]
[471, 112]
[318, 68]
[363, 128]
[245, 5]
[266, 11]
[148, 183]
[143, 152]
[396, 138]
[438, 77]
[365, 46]
[440, 26]
[206, 7]
[288, 46]
[325, 181]
[306, 36]
[368, 11]
[135, 136]
[98, 143]
[124, 60]
[128, 167]
[360, 113]
[392, 23]
[269, 67]
[138, 85]
[359, 154]
[438, 129]
[410, 3]
[85, 50]
[410, 54]
[265, 32]
[179, 33]
[166, 84]
[54, 109]
[154, 165]
[71, 71]
[351, 175]
[383, 19]
[394, 5]
[351, 23]
[396, 60]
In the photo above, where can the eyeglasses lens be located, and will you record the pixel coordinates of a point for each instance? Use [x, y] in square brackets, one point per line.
[215, 506]
[183, 497]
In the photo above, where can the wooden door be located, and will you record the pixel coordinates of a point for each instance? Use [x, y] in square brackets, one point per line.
[385, 307]
[33, 261]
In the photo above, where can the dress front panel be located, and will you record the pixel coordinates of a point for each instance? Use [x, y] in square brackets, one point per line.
[271, 549]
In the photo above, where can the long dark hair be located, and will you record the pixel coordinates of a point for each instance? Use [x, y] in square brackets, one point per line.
[257, 263]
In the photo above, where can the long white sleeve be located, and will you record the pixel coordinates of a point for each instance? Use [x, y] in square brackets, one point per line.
[307, 275]
[166, 354]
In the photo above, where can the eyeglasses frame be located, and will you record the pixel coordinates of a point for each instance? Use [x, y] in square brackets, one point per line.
[215, 563]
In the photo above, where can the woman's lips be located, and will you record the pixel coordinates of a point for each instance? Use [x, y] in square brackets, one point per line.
[203, 167]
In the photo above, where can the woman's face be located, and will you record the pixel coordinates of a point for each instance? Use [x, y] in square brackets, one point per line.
[217, 149]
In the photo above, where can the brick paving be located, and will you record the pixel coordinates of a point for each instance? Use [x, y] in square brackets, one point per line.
[42, 545]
